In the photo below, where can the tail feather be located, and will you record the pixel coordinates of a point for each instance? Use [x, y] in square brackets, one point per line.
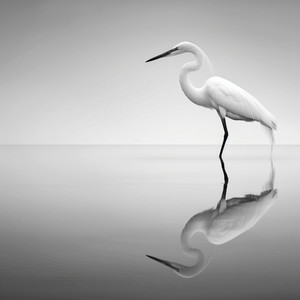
[274, 125]
[270, 125]
[270, 133]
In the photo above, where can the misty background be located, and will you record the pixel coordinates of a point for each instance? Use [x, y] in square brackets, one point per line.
[74, 72]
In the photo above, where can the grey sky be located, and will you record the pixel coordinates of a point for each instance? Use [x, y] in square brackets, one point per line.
[73, 72]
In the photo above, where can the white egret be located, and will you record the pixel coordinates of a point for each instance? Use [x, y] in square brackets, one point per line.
[231, 218]
[217, 93]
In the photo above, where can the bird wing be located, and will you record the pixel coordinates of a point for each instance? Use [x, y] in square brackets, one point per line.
[238, 104]
[240, 217]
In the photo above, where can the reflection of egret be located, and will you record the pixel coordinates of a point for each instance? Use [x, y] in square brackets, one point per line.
[229, 219]
[225, 97]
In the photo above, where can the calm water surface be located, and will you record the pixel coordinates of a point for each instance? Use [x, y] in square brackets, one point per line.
[78, 222]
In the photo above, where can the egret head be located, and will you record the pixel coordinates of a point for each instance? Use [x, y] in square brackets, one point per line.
[186, 271]
[176, 50]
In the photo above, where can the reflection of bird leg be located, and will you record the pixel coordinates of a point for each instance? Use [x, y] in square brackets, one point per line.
[222, 203]
[225, 176]
[225, 136]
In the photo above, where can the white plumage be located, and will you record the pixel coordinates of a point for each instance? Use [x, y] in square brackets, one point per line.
[237, 103]
[228, 99]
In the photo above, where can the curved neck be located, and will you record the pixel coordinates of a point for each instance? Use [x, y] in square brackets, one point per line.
[198, 223]
[195, 94]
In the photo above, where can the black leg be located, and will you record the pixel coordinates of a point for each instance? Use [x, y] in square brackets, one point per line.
[224, 173]
[222, 201]
[225, 136]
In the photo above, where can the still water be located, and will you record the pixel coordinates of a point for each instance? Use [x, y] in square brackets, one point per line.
[76, 222]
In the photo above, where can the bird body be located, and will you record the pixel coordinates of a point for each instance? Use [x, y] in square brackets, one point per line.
[228, 99]
[235, 103]
[240, 215]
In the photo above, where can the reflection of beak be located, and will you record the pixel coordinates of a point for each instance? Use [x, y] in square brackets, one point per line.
[162, 55]
[164, 262]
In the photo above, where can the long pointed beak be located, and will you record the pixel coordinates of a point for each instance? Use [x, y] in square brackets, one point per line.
[164, 262]
[162, 55]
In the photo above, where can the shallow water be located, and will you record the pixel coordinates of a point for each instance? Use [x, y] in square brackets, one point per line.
[76, 222]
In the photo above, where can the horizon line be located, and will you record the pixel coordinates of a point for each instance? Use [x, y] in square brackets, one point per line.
[201, 145]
